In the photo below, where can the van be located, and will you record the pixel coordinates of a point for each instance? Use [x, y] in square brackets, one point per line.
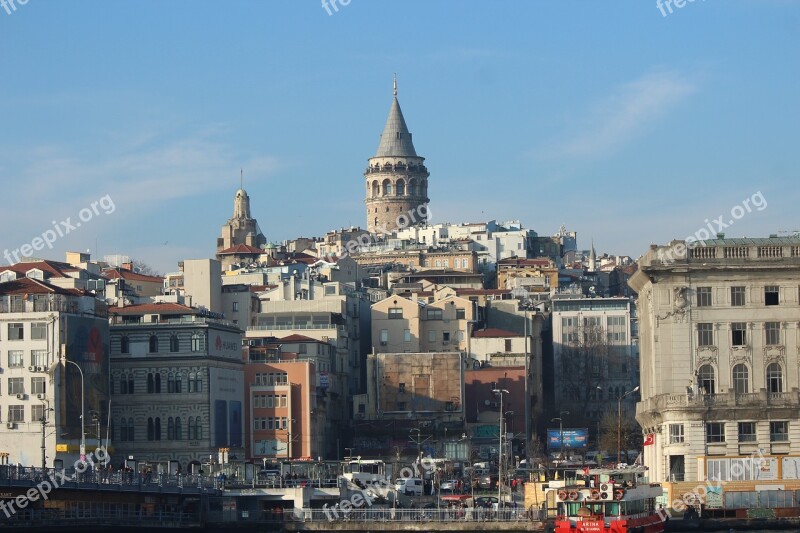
[410, 486]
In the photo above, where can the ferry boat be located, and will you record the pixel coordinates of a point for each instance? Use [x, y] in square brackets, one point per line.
[602, 500]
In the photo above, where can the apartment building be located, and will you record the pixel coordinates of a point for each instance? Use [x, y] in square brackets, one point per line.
[719, 357]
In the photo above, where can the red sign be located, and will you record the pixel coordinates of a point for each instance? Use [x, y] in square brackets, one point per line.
[649, 440]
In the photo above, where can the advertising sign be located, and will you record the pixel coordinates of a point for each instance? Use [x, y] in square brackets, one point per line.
[573, 438]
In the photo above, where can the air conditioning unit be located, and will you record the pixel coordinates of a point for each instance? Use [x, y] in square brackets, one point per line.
[20, 396]
[11, 425]
[40, 369]
[40, 396]
[31, 369]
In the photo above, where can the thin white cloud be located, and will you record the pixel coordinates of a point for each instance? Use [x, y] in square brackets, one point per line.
[620, 117]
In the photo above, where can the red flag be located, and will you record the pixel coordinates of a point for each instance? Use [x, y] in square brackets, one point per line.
[649, 439]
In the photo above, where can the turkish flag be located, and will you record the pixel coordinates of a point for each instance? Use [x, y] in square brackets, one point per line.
[649, 439]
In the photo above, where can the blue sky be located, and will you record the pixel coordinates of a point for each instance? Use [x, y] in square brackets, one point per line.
[628, 126]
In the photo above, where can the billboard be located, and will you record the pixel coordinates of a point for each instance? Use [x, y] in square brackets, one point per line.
[573, 438]
[86, 342]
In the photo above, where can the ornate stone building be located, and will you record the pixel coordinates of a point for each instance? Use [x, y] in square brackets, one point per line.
[241, 239]
[396, 179]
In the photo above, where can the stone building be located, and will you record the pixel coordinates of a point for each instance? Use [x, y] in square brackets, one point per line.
[719, 358]
[396, 178]
[241, 239]
[177, 384]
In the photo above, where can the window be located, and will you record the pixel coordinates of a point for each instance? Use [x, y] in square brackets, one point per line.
[747, 432]
[198, 428]
[235, 307]
[704, 297]
[771, 295]
[676, 433]
[170, 429]
[739, 334]
[283, 400]
[446, 337]
[197, 342]
[431, 336]
[16, 386]
[705, 334]
[179, 383]
[774, 378]
[283, 422]
[401, 387]
[37, 413]
[508, 345]
[130, 430]
[178, 429]
[302, 348]
[705, 378]
[174, 344]
[153, 344]
[38, 386]
[434, 314]
[741, 379]
[15, 358]
[406, 335]
[395, 312]
[384, 337]
[772, 333]
[737, 296]
[154, 383]
[715, 432]
[39, 331]
[16, 413]
[151, 430]
[401, 406]
[15, 331]
[39, 358]
[461, 314]
[124, 344]
[778, 431]
[330, 290]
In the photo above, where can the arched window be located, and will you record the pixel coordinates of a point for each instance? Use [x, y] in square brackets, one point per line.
[190, 425]
[774, 378]
[131, 436]
[705, 379]
[123, 384]
[178, 429]
[400, 187]
[387, 187]
[153, 344]
[376, 189]
[179, 383]
[151, 386]
[151, 432]
[158, 383]
[123, 424]
[157, 424]
[741, 379]
[174, 345]
[124, 344]
[170, 429]
[198, 428]
[197, 342]
[412, 187]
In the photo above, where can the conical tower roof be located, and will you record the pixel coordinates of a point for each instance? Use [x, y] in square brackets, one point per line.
[396, 139]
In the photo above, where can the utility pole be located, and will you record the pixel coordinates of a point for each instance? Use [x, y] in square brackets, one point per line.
[500, 392]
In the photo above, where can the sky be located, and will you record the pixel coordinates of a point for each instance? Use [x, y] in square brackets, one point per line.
[624, 122]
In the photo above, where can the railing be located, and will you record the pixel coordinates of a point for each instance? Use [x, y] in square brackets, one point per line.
[455, 514]
[96, 513]
[290, 326]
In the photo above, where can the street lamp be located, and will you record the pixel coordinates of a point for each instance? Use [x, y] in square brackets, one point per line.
[500, 392]
[289, 440]
[619, 422]
[561, 414]
[83, 428]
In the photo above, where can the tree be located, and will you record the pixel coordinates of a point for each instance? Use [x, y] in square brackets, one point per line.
[629, 431]
[140, 267]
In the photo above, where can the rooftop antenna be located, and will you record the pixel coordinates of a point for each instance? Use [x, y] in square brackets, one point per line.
[241, 178]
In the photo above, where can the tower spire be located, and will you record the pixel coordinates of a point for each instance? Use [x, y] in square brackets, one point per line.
[241, 178]
[395, 85]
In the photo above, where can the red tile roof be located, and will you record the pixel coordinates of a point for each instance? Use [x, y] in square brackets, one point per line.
[298, 338]
[55, 269]
[241, 249]
[129, 275]
[160, 308]
[493, 333]
[35, 286]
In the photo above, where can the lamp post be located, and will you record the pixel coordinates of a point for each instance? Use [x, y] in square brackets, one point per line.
[619, 422]
[289, 440]
[560, 419]
[83, 427]
[500, 392]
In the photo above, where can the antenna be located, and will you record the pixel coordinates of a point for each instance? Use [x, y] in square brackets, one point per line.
[241, 178]
[395, 84]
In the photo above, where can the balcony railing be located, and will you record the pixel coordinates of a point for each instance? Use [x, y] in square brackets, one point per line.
[690, 401]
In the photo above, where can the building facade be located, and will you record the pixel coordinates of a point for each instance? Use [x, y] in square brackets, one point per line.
[177, 384]
[719, 360]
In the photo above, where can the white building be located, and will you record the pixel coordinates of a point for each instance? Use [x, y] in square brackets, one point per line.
[719, 360]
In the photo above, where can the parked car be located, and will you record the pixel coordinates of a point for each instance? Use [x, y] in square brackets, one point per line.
[488, 481]
[449, 486]
[409, 486]
[486, 502]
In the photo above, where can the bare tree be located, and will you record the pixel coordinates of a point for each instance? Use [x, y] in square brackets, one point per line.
[140, 267]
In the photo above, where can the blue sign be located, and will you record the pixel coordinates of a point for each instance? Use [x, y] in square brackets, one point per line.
[573, 438]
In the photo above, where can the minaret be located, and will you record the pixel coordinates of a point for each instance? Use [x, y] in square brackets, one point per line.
[592, 259]
[396, 178]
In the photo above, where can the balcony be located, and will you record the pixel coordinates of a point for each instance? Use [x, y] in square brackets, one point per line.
[760, 399]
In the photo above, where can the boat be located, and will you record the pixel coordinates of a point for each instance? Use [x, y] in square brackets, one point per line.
[603, 500]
